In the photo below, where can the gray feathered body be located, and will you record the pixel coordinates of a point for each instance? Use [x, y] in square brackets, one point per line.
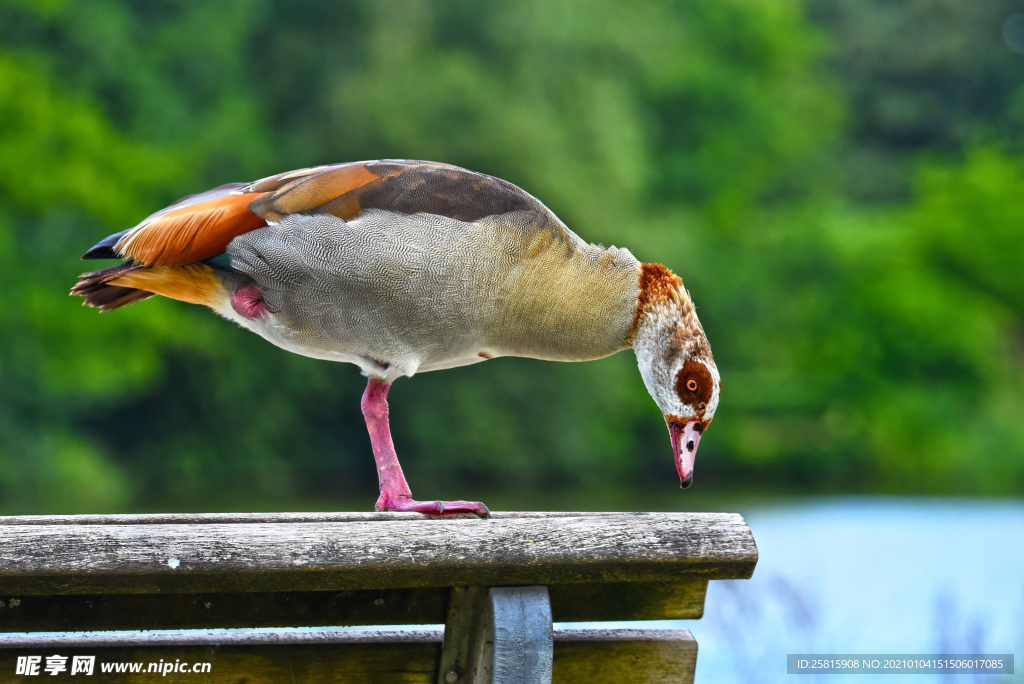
[398, 293]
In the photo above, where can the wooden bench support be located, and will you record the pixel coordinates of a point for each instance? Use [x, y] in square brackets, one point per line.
[495, 583]
[501, 635]
[464, 657]
[682, 599]
[392, 551]
[521, 636]
[325, 656]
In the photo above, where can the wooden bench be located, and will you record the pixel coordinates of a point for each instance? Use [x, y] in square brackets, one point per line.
[496, 584]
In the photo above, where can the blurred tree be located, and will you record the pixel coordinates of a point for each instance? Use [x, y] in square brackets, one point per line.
[881, 351]
[920, 76]
[62, 168]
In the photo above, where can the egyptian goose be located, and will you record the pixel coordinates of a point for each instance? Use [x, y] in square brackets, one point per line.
[407, 266]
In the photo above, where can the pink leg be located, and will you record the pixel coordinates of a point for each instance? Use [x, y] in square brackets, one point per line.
[394, 490]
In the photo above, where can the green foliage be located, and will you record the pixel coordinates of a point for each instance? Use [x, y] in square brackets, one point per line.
[920, 76]
[863, 346]
[889, 348]
[62, 167]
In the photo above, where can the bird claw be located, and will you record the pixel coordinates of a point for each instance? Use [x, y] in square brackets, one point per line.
[403, 503]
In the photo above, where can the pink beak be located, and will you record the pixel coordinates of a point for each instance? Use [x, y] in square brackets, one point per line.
[685, 439]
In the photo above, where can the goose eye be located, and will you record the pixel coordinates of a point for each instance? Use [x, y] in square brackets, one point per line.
[691, 385]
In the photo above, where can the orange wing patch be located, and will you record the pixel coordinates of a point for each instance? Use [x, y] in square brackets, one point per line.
[309, 191]
[192, 233]
[196, 283]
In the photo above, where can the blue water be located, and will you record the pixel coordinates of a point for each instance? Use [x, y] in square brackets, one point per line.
[868, 575]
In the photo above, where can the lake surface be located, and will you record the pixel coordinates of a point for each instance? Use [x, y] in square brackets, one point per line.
[869, 575]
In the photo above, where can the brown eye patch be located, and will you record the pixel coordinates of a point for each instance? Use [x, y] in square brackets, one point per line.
[694, 383]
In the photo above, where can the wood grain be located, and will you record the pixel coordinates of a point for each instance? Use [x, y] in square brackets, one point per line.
[680, 600]
[49, 557]
[33, 613]
[424, 605]
[327, 663]
[616, 656]
[637, 656]
[227, 518]
[207, 638]
[465, 630]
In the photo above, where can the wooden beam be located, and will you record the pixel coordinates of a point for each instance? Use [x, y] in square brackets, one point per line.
[465, 631]
[638, 656]
[613, 656]
[592, 602]
[87, 612]
[71, 556]
[212, 638]
[425, 605]
[265, 518]
[381, 657]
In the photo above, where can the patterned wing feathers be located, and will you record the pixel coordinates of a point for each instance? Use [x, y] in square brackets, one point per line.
[406, 187]
[164, 250]
[201, 226]
[314, 189]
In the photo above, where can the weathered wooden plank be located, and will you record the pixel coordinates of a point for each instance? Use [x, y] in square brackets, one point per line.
[33, 613]
[283, 637]
[207, 638]
[465, 630]
[372, 554]
[264, 518]
[637, 656]
[616, 656]
[592, 602]
[347, 663]
[425, 605]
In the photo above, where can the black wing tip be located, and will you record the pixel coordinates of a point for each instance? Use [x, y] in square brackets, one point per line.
[100, 252]
[104, 249]
[113, 297]
[99, 293]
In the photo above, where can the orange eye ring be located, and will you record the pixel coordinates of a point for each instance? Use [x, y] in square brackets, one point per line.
[691, 386]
